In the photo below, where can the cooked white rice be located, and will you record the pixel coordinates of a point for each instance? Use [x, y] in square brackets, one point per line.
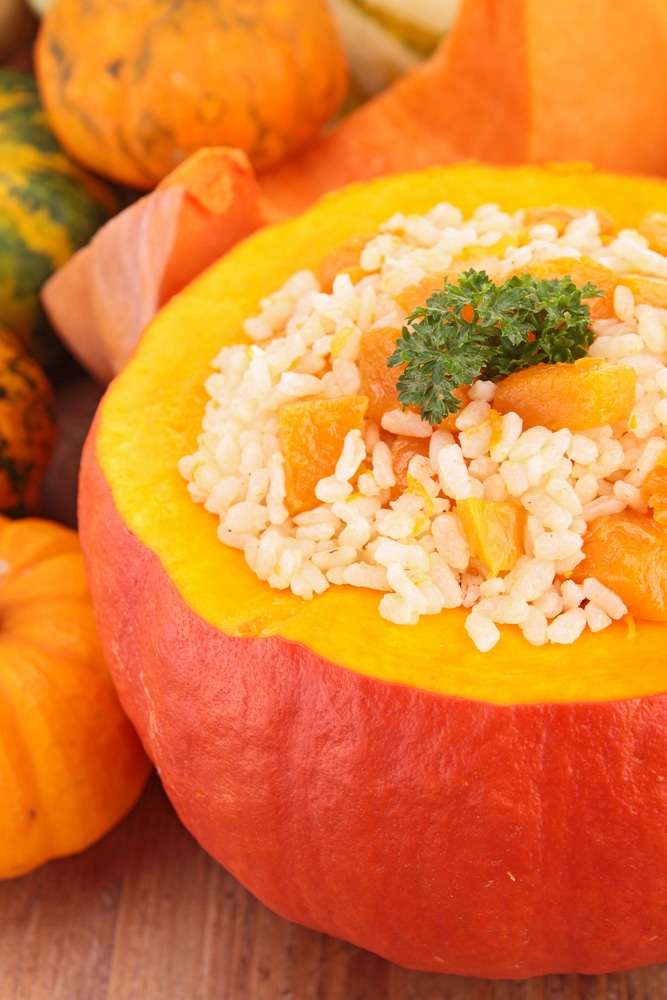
[413, 549]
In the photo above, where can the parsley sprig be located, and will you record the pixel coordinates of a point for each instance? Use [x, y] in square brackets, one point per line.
[475, 328]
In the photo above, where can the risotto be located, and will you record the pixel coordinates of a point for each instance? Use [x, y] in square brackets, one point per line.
[392, 508]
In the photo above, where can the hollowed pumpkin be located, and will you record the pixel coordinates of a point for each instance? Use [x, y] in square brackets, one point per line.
[497, 815]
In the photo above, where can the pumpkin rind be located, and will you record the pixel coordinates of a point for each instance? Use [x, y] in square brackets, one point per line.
[498, 815]
[70, 762]
[50, 208]
[170, 79]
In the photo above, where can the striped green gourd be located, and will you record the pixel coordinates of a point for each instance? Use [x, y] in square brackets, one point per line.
[49, 207]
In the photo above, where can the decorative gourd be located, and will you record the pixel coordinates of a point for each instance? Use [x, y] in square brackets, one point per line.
[71, 765]
[133, 88]
[499, 814]
[27, 426]
[49, 207]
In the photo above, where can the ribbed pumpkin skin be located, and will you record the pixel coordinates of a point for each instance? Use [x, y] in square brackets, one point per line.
[71, 765]
[501, 841]
[132, 88]
[49, 207]
[27, 427]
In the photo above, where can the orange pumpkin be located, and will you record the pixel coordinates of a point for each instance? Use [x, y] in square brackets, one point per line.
[131, 88]
[70, 763]
[27, 426]
[497, 814]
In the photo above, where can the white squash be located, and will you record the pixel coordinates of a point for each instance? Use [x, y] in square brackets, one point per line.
[385, 38]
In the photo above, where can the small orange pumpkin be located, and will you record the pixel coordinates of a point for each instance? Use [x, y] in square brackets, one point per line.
[132, 88]
[27, 426]
[70, 762]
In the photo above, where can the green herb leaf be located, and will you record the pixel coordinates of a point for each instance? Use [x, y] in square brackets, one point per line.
[475, 328]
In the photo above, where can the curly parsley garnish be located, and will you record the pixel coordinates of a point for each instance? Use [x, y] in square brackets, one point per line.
[476, 328]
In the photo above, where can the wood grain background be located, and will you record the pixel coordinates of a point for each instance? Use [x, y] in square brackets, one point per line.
[146, 915]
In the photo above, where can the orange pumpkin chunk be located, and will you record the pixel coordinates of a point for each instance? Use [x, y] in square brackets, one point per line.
[416, 295]
[581, 270]
[653, 227]
[654, 489]
[403, 449]
[344, 258]
[312, 433]
[560, 216]
[378, 382]
[581, 395]
[494, 532]
[628, 553]
[649, 291]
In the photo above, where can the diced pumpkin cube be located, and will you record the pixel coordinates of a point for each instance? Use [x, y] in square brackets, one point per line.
[581, 270]
[560, 216]
[344, 258]
[650, 291]
[627, 552]
[403, 449]
[494, 531]
[378, 381]
[416, 295]
[653, 227]
[312, 433]
[654, 489]
[581, 395]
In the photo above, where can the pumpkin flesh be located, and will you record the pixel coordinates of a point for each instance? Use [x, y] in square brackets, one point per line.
[494, 814]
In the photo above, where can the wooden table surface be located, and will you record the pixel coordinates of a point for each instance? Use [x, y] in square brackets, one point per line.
[146, 914]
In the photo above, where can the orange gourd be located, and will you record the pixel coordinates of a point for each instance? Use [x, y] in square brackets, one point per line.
[133, 88]
[70, 763]
[497, 814]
